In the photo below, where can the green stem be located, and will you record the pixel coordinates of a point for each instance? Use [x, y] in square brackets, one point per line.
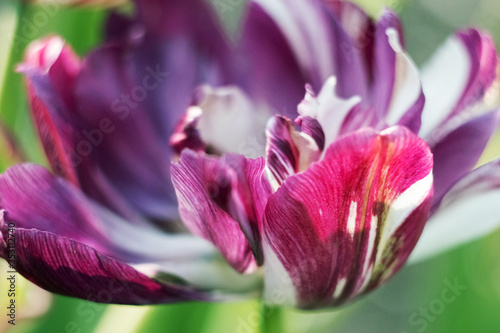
[271, 318]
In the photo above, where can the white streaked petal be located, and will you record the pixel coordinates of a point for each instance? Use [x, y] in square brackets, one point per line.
[448, 68]
[339, 288]
[207, 273]
[351, 221]
[401, 208]
[230, 120]
[279, 288]
[464, 221]
[470, 210]
[329, 109]
[407, 88]
[151, 243]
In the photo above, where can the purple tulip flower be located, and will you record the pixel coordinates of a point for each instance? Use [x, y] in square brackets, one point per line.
[327, 212]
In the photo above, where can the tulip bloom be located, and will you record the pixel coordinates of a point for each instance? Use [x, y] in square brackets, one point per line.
[342, 203]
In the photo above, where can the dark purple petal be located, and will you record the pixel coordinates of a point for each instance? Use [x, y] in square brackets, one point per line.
[270, 70]
[33, 198]
[70, 268]
[469, 210]
[124, 156]
[349, 56]
[458, 152]
[216, 203]
[384, 75]
[360, 28]
[350, 221]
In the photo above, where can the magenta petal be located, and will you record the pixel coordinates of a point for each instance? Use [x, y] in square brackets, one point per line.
[186, 133]
[350, 221]
[249, 198]
[51, 69]
[70, 268]
[216, 201]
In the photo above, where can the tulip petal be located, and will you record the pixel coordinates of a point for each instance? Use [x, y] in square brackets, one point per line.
[331, 111]
[468, 211]
[458, 152]
[271, 72]
[228, 120]
[70, 268]
[206, 273]
[408, 99]
[350, 221]
[465, 64]
[287, 151]
[311, 43]
[221, 204]
[385, 58]
[33, 198]
[51, 68]
[360, 28]
[186, 133]
[397, 93]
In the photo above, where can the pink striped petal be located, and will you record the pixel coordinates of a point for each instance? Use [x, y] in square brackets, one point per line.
[221, 200]
[289, 151]
[350, 221]
[51, 69]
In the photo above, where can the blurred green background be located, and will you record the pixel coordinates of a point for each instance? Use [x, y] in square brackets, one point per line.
[397, 307]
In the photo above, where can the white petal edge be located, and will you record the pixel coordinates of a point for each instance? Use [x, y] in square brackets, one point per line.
[466, 219]
[401, 208]
[211, 273]
[407, 86]
[329, 109]
[229, 121]
[444, 77]
[279, 288]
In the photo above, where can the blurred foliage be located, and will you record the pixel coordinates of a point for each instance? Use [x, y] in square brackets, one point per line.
[475, 265]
